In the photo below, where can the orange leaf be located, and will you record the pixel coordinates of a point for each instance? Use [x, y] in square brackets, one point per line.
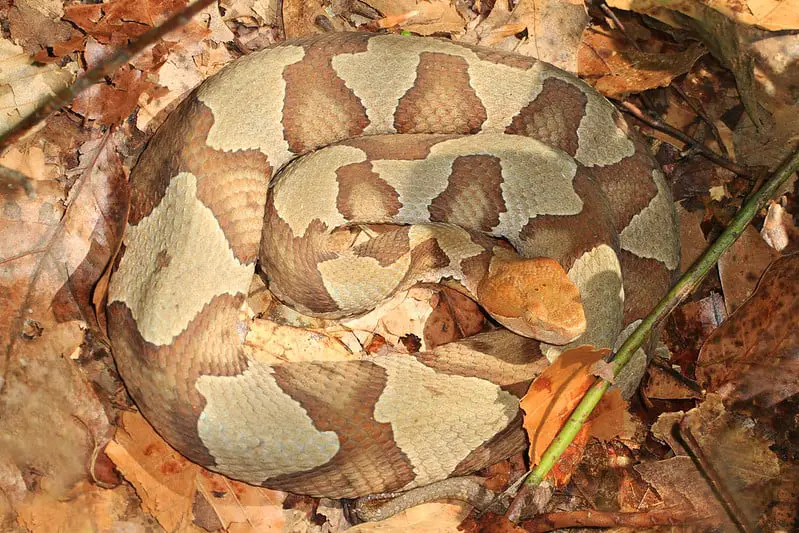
[555, 393]
[608, 419]
[562, 472]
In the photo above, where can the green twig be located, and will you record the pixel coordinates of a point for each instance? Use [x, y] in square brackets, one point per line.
[687, 283]
[98, 73]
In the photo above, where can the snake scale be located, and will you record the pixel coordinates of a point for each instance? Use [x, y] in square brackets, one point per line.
[350, 166]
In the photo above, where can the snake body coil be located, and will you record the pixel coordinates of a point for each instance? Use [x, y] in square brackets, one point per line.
[448, 148]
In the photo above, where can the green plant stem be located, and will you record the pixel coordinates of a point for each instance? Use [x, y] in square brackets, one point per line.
[687, 283]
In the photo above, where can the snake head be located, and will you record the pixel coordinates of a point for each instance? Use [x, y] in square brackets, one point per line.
[534, 298]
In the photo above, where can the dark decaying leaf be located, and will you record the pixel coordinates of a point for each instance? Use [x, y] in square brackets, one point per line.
[754, 355]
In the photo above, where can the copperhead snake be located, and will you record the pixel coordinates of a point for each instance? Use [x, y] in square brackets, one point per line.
[282, 158]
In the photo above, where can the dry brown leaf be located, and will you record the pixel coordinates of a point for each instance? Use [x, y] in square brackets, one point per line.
[490, 523]
[617, 69]
[23, 86]
[554, 395]
[740, 460]
[779, 230]
[692, 238]
[87, 508]
[251, 12]
[424, 17]
[428, 312]
[192, 55]
[728, 38]
[111, 103]
[742, 265]
[182, 496]
[299, 18]
[36, 25]
[554, 28]
[768, 147]
[684, 491]
[754, 355]
[50, 259]
[668, 384]
[692, 323]
[774, 15]
[454, 317]
[118, 21]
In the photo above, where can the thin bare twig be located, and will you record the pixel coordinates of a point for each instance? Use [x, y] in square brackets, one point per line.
[98, 73]
[699, 112]
[706, 466]
[593, 518]
[632, 109]
[706, 119]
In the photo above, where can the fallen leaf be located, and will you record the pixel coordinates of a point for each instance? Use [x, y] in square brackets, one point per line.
[779, 230]
[189, 57]
[118, 21]
[454, 317]
[23, 86]
[554, 395]
[555, 29]
[87, 508]
[617, 69]
[51, 256]
[251, 12]
[772, 15]
[740, 459]
[691, 324]
[183, 496]
[36, 25]
[489, 523]
[754, 355]
[742, 265]
[728, 38]
[609, 419]
[668, 384]
[697, 179]
[299, 18]
[692, 238]
[684, 491]
[783, 513]
[768, 147]
[424, 17]
[110, 103]
[431, 313]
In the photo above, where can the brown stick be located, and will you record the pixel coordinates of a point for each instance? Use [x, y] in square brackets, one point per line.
[706, 119]
[98, 73]
[590, 518]
[632, 109]
[708, 469]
